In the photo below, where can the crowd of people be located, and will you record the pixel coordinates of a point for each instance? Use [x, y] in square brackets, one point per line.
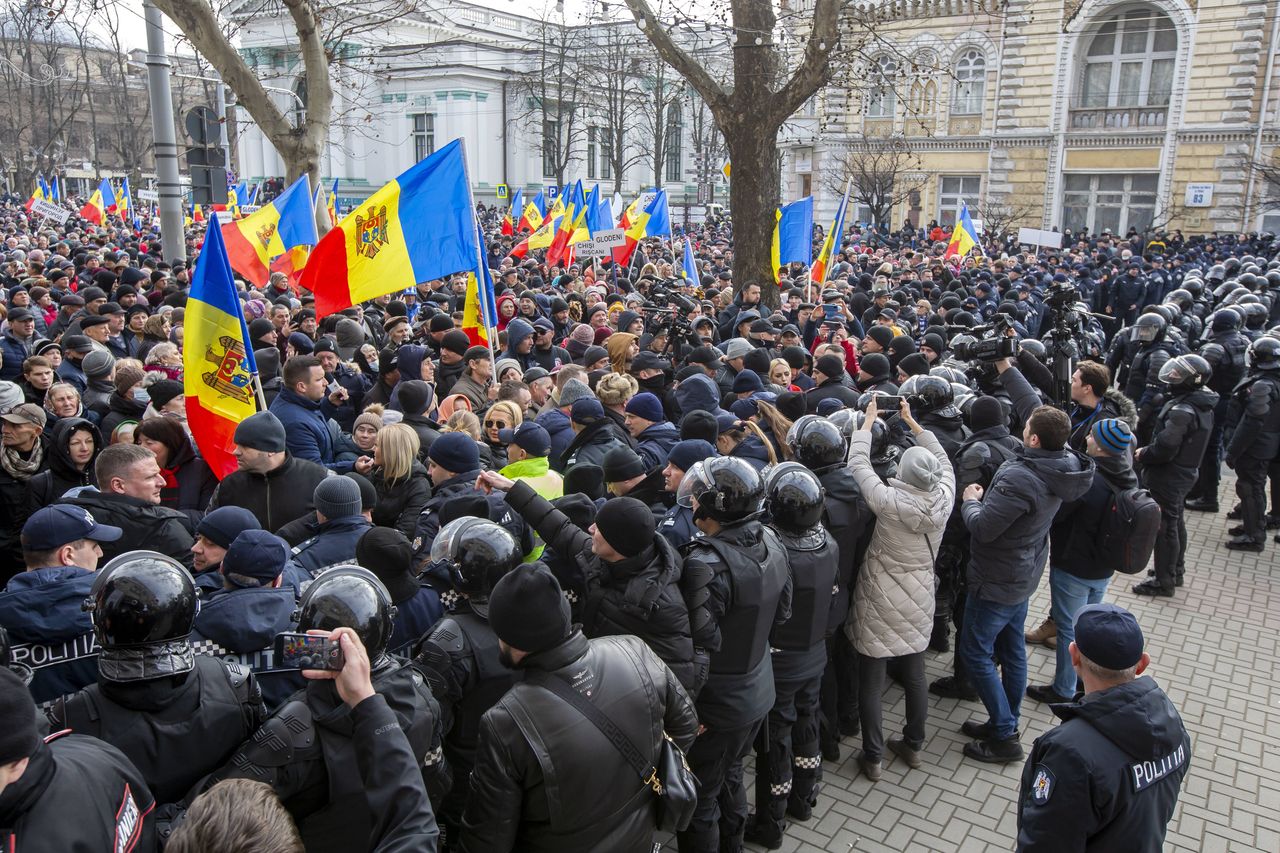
[725, 520]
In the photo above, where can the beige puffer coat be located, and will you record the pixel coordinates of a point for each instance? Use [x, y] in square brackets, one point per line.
[893, 601]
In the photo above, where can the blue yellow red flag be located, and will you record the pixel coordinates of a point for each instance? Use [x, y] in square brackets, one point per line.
[793, 235]
[690, 267]
[287, 222]
[964, 237]
[479, 311]
[103, 200]
[831, 243]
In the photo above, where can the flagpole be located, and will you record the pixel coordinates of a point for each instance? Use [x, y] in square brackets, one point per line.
[480, 261]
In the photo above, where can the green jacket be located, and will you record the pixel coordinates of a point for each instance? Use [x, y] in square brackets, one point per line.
[536, 471]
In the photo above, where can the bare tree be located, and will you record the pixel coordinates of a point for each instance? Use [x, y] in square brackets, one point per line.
[554, 91]
[1001, 217]
[751, 107]
[660, 113]
[708, 143]
[611, 68]
[883, 173]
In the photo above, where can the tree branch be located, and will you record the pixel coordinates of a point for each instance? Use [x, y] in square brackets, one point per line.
[685, 65]
[815, 67]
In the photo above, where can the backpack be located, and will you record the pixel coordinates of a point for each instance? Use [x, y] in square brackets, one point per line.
[1129, 528]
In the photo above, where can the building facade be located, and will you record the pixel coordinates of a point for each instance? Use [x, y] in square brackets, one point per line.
[1058, 114]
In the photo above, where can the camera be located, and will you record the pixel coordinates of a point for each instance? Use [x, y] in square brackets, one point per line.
[986, 344]
[667, 310]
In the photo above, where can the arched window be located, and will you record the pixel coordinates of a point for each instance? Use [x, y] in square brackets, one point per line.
[299, 103]
[881, 101]
[1129, 61]
[970, 86]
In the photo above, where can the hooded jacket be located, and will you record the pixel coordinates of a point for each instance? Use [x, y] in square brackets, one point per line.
[1112, 405]
[655, 443]
[118, 410]
[1107, 778]
[62, 474]
[245, 622]
[698, 393]
[559, 427]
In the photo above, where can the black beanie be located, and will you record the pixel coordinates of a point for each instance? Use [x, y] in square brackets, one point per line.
[388, 554]
[627, 525]
[415, 396]
[874, 364]
[699, 424]
[986, 412]
[882, 335]
[528, 610]
[621, 464]
[18, 735]
[585, 479]
[914, 365]
[455, 342]
[831, 366]
[792, 404]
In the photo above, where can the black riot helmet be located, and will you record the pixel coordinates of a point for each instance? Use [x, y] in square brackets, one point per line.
[1185, 372]
[879, 434]
[1224, 320]
[1255, 315]
[349, 596]
[1180, 299]
[727, 489]
[846, 420]
[1149, 328]
[927, 394]
[794, 498]
[1035, 347]
[142, 598]
[1216, 273]
[1273, 278]
[1264, 353]
[477, 552]
[1193, 286]
[816, 443]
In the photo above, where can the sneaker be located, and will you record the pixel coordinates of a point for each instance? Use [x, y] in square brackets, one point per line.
[1045, 693]
[1202, 505]
[1154, 588]
[899, 747]
[1244, 543]
[995, 751]
[1046, 630]
[976, 730]
[870, 769]
[950, 687]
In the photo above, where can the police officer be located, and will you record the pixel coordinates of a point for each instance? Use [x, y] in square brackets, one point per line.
[1141, 383]
[305, 751]
[821, 446]
[1107, 778]
[1226, 351]
[1169, 465]
[460, 656]
[67, 791]
[1255, 443]
[788, 762]
[175, 714]
[932, 402]
[750, 592]
[677, 525]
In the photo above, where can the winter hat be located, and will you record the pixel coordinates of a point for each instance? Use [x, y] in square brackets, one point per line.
[685, 454]
[224, 524]
[387, 553]
[456, 342]
[934, 342]
[737, 348]
[594, 354]
[831, 366]
[882, 335]
[456, 452]
[255, 559]
[415, 396]
[586, 480]
[162, 392]
[261, 431]
[504, 364]
[1109, 635]
[528, 610]
[350, 336]
[586, 411]
[622, 463]
[18, 735]
[914, 365]
[440, 323]
[98, 364]
[573, 391]
[583, 334]
[699, 424]
[371, 416]
[126, 378]
[1112, 435]
[368, 494]
[792, 404]
[258, 328]
[301, 343]
[758, 360]
[627, 525]
[828, 407]
[337, 497]
[986, 412]
[747, 381]
[920, 468]
[647, 406]
[874, 364]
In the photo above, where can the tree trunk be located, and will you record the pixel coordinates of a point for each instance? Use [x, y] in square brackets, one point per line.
[753, 200]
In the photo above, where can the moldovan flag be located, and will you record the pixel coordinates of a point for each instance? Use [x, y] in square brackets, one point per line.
[37, 193]
[418, 227]
[539, 239]
[218, 366]
[793, 235]
[479, 311]
[333, 203]
[102, 200]
[831, 245]
[124, 203]
[256, 240]
[690, 268]
[964, 237]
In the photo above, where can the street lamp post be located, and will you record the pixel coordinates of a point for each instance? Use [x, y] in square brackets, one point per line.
[166, 142]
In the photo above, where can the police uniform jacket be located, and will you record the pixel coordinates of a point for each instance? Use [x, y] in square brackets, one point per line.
[1107, 778]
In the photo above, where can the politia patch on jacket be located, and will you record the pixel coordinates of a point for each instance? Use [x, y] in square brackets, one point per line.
[1042, 785]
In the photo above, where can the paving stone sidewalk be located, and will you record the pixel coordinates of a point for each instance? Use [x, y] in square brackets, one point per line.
[1214, 649]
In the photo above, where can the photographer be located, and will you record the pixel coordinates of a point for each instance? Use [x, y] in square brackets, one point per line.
[238, 814]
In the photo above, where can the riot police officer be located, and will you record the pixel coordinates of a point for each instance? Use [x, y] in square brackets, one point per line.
[821, 446]
[1226, 352]
[788, 763]
[1256, 441]
[750, 592]
[1141, 383]
[305, 751]
[175, 714]
[932, 402]
[1169, 465]
[460, 656]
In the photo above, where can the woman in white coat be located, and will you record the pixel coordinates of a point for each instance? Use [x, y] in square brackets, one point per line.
[893, 601]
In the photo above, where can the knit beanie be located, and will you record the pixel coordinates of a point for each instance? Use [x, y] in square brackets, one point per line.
[415, 396]
[337, 497]
[585, 479]
[699, 424]
[261, 431]
[986, 412]
[573, 391]
[647, 406]
[224, 524]
[456, 452]
[831, 366]
[914, 365]
[920, 468]
[369, 417]
[18, 735]
[621, 464]
[627, 525]
[162, 392]
[528, 610]
[882, 335]
[875, 364]
[747, 381]
[455, 342]
[1112, 435]
[126, 378]
[388, 554]
[685, 454]
[98, 364]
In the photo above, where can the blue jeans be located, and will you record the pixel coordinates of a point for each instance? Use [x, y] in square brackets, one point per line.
[996, 629]
[1070, 593]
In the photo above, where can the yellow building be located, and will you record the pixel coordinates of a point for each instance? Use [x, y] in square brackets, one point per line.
[1056, 114]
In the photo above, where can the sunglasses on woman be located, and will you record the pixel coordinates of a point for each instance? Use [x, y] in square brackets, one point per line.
[495, 424]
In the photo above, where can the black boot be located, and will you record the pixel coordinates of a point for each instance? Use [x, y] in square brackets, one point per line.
[952, 687]
[767, 827]
[940, 639]
[1202, 505]
[1245, 543]
[805, 771]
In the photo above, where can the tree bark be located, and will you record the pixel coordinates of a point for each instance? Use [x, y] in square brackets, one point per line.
[753, 189]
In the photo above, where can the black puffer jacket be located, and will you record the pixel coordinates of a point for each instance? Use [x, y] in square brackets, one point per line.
[639, 596]
[62, 474]
[275, 498]
[145, 525]
[399, 503]
[587, 798]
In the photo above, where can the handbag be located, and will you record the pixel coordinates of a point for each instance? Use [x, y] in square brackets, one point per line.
[670, 778]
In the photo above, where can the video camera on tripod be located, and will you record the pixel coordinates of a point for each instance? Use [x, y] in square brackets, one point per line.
[985, 344]
[666, 310]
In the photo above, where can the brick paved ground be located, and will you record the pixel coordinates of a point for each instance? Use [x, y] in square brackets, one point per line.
[1214, 649]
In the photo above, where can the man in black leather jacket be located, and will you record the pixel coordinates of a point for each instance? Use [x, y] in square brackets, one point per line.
[587, 798]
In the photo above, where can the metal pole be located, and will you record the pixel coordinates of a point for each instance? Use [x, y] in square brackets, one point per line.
[166, 141]
[220, 107]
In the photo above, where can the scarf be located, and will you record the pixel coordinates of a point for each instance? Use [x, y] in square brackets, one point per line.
[170, 481]
[22, 469]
